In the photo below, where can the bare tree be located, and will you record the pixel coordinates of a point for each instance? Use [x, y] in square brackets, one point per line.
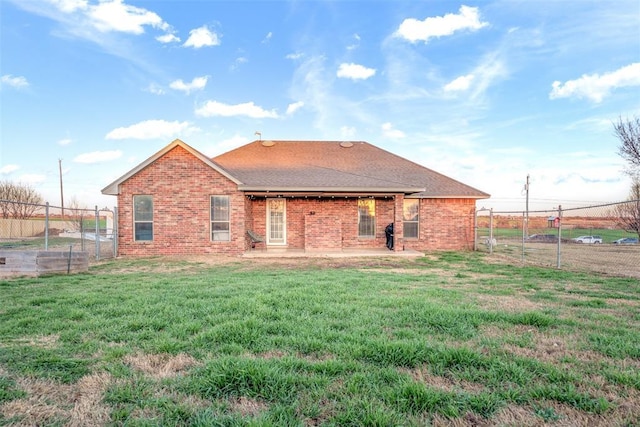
[629, 134]
[6, 195]
[18, 201]
[628, 213]
[78, 214]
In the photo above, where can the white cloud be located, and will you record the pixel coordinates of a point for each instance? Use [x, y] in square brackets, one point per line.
[32, 178]
[118, 16]
[197, 83]
[17, 82]
[347, 132]
[355, 71]
[293, 107]
[69, 6]
[356, 42]
[155, 89]
[201, 37]
[249, 109]
[415, 30]
[294, 56]
[239, 61]
[98, 157]
[595, 87]
[390, 132]
[168, 38]
[65, 141]
[228, 144]
[459, 84]
[7, 169]
[151, 129]
[267, 38]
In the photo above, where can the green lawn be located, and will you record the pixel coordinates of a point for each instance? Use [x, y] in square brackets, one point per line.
[450, 337]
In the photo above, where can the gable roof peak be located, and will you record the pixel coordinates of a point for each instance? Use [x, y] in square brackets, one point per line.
[114, 188]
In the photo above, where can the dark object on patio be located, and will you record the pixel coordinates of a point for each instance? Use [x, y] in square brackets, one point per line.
[254, 238]
[388, 231]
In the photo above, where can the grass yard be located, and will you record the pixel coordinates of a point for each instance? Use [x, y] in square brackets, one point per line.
[446, 339]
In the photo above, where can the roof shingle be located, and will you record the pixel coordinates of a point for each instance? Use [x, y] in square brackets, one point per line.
[334, 166]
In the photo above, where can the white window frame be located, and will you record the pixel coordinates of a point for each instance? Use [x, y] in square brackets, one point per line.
[406, 221]
[220, 233]
[370, 232]
[137, 220]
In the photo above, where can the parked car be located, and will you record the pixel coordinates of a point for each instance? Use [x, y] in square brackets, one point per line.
[588, 239]
[627, 241]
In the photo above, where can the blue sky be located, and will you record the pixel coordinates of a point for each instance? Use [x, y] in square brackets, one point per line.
[486, 92]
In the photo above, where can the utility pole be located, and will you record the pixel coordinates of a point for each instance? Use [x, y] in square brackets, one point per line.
[61, 192]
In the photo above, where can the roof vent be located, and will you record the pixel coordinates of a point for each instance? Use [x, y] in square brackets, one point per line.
[268, 143]
[346, 144]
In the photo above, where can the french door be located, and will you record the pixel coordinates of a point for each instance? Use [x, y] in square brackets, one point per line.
[276, 222]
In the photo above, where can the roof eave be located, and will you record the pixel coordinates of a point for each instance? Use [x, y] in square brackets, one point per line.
[378, 190]
[448, 196]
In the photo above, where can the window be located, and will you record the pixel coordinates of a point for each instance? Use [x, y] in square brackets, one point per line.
[143, 218]
[366, 218]
[220, 219]
[410, 211]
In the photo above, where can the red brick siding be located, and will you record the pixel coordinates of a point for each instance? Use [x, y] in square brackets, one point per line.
[333, 224]
[445, 224]
[181, 186]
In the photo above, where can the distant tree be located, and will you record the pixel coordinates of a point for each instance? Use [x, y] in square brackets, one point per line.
[6, 194]
[628, 213]
[628, 131]
[78, 213]
[18, 201]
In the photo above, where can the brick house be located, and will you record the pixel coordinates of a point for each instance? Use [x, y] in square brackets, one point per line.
[303, 195]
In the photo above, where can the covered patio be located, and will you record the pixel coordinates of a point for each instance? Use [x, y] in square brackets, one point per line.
[345, 253]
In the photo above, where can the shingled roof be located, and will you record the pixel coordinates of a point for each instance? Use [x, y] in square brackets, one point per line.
[335, 166]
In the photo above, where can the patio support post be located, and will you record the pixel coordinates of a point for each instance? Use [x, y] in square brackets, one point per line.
[398, 225]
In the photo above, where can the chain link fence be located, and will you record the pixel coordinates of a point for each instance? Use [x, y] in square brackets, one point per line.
[26, 226]
[602, 238]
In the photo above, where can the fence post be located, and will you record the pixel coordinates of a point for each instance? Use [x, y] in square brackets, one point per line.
[114, 233]
[491, 231]
[97, 234]
[559, 235]
[46, 227]
[475, 230]
[524, 232]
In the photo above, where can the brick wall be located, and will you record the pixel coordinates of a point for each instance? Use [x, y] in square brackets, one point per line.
[445, 224]
[316, 222]
[181, 186]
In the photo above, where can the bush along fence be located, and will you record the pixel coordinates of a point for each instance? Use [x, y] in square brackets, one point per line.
[600, 238]
[36, 227]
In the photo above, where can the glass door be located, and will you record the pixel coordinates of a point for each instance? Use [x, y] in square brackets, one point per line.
[276, 222]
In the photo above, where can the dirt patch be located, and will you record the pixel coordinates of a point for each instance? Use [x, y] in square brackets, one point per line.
[48, 402]
[410, 271]
[47, 341]
[159, 366]
[88, 409]
[508, 303]
[44, 341]
[188, 262]
[423, 376]
[617, 260]
[467, 420]
[247, 407]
